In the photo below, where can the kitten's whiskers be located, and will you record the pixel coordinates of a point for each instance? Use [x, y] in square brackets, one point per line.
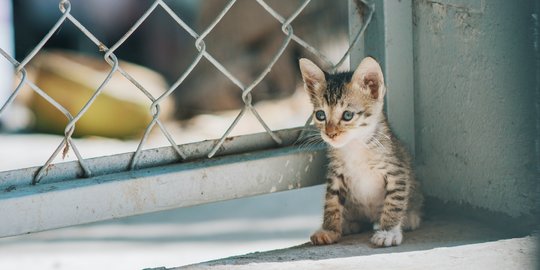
[379, 144]
[382, 134]
[309, 141]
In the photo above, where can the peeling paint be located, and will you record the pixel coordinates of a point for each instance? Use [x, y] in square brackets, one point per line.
[437, 17]
[470, 6]
[535, 30]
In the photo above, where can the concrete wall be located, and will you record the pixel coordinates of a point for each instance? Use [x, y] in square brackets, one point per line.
[476, 102]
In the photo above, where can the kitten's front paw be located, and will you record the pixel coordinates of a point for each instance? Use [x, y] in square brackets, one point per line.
[324, 237]
[383, 238]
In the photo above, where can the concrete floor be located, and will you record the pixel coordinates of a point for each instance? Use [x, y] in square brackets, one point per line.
[511, 254]
[442, 242]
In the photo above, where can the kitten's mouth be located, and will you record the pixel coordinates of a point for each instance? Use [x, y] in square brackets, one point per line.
[336, 142]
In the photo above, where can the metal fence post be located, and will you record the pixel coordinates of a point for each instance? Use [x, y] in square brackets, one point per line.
[389, 39]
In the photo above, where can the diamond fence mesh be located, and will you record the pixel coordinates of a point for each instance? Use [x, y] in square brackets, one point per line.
[109, 56]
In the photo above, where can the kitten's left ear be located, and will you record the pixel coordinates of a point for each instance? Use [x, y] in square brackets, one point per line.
[313, 76]
[368, 77]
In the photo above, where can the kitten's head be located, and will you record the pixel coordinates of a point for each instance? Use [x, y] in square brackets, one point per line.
[345, 105]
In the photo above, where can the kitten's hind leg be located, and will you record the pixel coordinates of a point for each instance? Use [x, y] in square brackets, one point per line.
[412, 220]
[413, 217]
[351, 227]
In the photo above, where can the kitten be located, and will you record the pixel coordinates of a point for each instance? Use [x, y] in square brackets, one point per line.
[370, 179]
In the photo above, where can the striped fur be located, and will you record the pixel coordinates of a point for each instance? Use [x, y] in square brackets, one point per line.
[370, 178]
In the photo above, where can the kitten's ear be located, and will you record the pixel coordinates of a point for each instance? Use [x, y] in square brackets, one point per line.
[368, 77]
[313, 76]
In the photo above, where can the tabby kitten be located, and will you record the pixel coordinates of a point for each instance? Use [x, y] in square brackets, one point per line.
[370, 180]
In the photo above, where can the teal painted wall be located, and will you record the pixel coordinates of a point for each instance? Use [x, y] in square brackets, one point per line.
[476, 102]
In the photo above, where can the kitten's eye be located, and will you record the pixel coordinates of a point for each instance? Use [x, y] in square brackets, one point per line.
[320, 115]
[348, 115]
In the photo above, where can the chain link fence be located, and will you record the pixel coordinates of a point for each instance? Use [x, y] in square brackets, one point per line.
[109, 56]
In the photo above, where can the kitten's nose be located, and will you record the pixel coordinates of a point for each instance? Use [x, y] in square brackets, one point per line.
[331, 132]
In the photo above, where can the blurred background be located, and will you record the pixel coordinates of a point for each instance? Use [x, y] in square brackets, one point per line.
[244, 42]
[70, 67]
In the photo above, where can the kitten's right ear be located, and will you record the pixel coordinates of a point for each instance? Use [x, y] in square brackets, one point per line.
[369, 78]
[313, 76]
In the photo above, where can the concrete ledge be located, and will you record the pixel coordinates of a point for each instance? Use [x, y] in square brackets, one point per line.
[441, 243]
[517, 253]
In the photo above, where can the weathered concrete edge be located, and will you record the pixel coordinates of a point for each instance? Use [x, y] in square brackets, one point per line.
[515, 253]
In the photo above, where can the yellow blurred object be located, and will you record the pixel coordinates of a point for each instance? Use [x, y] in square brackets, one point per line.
[121, 110]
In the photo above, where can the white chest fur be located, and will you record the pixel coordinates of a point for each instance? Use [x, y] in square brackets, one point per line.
[365, 182]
